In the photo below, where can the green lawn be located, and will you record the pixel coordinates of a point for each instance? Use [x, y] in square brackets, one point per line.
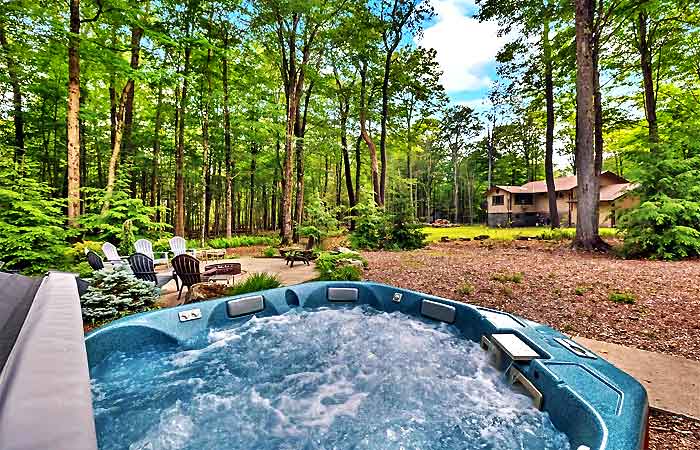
[505, 234]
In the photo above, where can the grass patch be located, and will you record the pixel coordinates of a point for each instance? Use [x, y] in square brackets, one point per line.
[627, 298]
[580, 290]
[254, 283]
[504, 277]
[466, 288]
[506, 234]
[340, 267]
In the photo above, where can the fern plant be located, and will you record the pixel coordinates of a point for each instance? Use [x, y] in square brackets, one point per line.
[33, 232]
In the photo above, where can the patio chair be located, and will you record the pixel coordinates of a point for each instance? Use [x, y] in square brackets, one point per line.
[94, 260]
[143, 268]
[145, 247]
[186, 268]
[178, 245]
[111, 254]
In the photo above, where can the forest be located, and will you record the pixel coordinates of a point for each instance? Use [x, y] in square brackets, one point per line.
[209, 119]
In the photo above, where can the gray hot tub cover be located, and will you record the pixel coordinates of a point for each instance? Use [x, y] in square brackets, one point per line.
[45, 398]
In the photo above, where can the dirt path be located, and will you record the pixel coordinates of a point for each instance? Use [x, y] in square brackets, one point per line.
[569, 290]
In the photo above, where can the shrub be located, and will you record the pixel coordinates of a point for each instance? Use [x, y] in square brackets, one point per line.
[116, 293]
[83, 269]
[580, 290]
[340, 266]
[254, 283]
[108, 225]
[666, 223]
[269, 252]
[243, 241]
[127, 239]
[376, 229]
[515, 277]
[33, 231]
[622, 297]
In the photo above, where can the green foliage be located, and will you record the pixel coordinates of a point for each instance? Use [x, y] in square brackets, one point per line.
[116, 293]
[375, 229]
[321, 220]
[269, 252]
[127, 239]
[340, 266]
[622, 297]
[310, 230]
[243, 241]
[83, 269]
[666, 223]
[33, 231]
[109, 225]
[254, 283]
[466, 288]
[580, 290]
[504, 277]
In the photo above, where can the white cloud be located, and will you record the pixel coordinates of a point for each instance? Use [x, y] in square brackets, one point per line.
[465, 47]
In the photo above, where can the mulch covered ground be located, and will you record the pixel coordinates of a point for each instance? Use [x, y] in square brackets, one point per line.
[560, 287]
[552, 284]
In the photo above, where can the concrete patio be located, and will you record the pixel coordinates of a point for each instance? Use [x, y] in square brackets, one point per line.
[276, 266]
[672, 382]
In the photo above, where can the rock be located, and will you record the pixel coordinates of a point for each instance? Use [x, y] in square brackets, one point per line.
[465, 239]
[206, 291]
[481, 237]
[340, 249]
[445, 239]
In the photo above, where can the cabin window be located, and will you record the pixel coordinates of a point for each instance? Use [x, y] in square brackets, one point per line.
[524, 199]
[497, 200]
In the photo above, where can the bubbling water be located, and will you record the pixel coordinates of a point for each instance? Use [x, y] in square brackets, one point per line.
[332, 379]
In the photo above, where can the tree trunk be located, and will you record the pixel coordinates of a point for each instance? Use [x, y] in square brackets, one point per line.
[136, 33]
[205, 154]
[227, 140]
[118, 133]
[549, 134]
[275, 181]
[16, 99]
[384, 118]
[588, 191]
[251, 189]
[180, 152]
[455, 192]
[645, 61]
[299, 133]
[343, 110]
[367, 138]
[156, 146]
[73, 115]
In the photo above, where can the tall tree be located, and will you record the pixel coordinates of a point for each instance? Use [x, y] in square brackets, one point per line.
[12, 72]
[588, 190]
[398, 17]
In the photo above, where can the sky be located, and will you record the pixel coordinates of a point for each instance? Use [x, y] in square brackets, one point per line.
[466, 50]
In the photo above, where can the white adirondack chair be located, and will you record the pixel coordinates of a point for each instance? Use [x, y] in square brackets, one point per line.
[111, 254]
[146, 247]
[178, 245]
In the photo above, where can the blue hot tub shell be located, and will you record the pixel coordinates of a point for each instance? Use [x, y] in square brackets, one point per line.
[598, 406]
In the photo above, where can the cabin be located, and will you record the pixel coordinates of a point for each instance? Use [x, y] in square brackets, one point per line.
[528, 205]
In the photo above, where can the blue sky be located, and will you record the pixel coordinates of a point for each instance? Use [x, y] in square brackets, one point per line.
[466, 50]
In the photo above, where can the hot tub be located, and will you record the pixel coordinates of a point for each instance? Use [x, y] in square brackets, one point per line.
[595, 405]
